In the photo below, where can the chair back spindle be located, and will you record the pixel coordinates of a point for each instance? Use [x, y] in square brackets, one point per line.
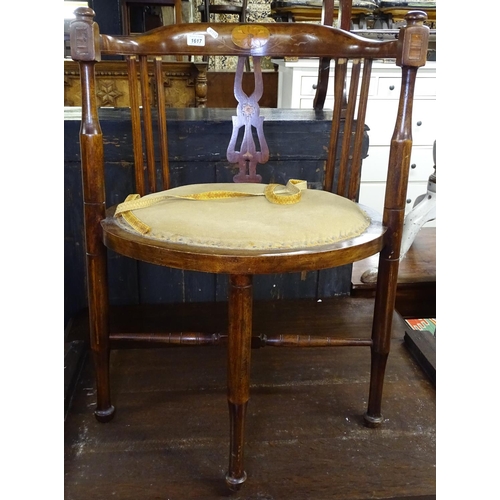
[343, 168]
[147, 109]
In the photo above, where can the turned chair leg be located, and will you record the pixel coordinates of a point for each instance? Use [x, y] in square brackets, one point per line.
[99, 335]
[373, 416]
[238, 373]
[105, 410]
[381, 336]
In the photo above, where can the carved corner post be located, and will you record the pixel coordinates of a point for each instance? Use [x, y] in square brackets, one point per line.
[84, 40]
[412, 52]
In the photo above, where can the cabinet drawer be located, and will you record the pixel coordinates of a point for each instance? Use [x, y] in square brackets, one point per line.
[383, 87]
[308, 85]
[389, 87]
[381, 129]
[375, 165]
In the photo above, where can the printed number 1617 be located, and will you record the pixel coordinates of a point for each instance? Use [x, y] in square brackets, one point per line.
[198, 40]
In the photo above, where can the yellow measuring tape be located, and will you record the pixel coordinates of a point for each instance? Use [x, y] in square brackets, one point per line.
[274, 193]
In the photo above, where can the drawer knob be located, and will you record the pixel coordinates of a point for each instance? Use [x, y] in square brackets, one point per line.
[419, 123]
[408, 200]
[391, 87]
[314, 86]
[413, 165]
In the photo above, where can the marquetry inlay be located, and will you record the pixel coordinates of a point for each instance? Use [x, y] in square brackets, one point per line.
[250, 36]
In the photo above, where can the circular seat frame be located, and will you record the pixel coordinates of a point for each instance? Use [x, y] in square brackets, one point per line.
[230, 261]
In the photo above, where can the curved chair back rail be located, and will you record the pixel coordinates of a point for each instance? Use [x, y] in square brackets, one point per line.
[272, 39]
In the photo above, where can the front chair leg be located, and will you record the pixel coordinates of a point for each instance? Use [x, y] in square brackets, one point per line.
[238, 374]
[373, 416]
[381, 336]
[99, 336]
[105, 410]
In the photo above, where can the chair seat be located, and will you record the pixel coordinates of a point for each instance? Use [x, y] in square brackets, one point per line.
[252, 225]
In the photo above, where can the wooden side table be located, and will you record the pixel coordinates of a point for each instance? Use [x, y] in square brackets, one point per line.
[416, 294]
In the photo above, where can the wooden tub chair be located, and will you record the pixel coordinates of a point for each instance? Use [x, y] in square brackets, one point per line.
[244, 228]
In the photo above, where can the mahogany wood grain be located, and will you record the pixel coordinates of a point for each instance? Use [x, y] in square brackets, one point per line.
[238, 372]
[167, 339]
[245, 40]
[94, 210]
[162, 126]
[299, 40]
[355, 170]
[344, 23]
[140, 182]
[215, 260]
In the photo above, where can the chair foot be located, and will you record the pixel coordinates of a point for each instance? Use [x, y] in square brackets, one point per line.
[372, 422]
[105, 415]
[234, 484]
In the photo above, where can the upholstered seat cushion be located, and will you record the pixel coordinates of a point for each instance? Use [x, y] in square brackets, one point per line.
[251, 222]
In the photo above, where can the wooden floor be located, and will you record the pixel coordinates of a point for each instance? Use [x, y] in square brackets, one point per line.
[305, 436]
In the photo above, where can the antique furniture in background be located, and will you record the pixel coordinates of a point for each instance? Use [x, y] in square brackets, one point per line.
[244, 228]
[395, 11]
[184, 84]
[314, 10]
[344, 15]
[297, 89]
[222, 10]
[422, 213]
[232, 7]
[371, 14]
[139, 16]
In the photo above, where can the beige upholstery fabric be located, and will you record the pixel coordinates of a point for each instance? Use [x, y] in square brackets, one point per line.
[251, 222]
